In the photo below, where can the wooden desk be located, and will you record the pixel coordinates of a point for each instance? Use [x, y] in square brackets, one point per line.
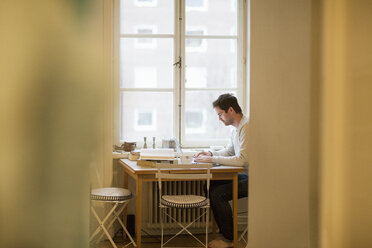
[145, 174]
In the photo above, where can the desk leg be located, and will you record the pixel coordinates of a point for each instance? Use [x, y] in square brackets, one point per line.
[235, 209]
[139, 212]
[125, 186]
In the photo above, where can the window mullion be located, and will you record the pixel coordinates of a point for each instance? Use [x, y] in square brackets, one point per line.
[241, 74]
[246, 39]
[176, 70]
[181, 86]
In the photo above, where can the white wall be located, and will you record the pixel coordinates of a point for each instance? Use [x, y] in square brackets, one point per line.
[281, 127]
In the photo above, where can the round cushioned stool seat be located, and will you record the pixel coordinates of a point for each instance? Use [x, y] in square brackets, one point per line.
[184, 201]
[110, 194]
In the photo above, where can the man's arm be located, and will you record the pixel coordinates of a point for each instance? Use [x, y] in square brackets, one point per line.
[228, 151]
[199, 154]
[239, 158]
[206, 157]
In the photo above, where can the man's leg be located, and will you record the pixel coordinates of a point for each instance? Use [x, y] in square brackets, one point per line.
[220, 195]
[213, 186]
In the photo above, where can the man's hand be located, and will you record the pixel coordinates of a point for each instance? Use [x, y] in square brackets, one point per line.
[203, 159]
[202, 154]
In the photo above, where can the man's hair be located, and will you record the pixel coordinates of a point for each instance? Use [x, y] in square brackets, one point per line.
[225, 101]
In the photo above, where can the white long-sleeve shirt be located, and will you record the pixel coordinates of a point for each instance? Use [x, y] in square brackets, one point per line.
[236, 152]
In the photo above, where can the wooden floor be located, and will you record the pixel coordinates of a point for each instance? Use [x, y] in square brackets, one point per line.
[154, 242]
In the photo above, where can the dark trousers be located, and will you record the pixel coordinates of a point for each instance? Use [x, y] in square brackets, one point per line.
[220, 193]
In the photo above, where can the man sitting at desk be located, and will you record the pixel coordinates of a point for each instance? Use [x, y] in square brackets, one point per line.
[235, 154]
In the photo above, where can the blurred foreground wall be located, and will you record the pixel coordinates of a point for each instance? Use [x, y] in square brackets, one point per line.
[281, 130]
[311, 124]
[346, 158]
[51, 104]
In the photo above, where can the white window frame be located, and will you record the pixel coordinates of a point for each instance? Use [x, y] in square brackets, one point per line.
[178, 94]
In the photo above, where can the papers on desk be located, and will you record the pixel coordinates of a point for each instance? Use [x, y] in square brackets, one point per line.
[157, 154]
[149, 157]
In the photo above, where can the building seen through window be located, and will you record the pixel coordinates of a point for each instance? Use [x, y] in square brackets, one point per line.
[195, 121]
[146, 3]
[145, 120]
[198, 5]
[196, 44]
[145, 42]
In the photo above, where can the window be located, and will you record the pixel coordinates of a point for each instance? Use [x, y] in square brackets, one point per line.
[145, 120]
[195, 121]
[196, 43]
[196, 5]
[233, 5]
[145, 42]
[145, 77]
[232, 43]
[232, 76]
[174, 62]
[145, 3]
[196, 77]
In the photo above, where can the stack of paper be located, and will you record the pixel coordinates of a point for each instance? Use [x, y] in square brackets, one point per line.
[157, 154]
